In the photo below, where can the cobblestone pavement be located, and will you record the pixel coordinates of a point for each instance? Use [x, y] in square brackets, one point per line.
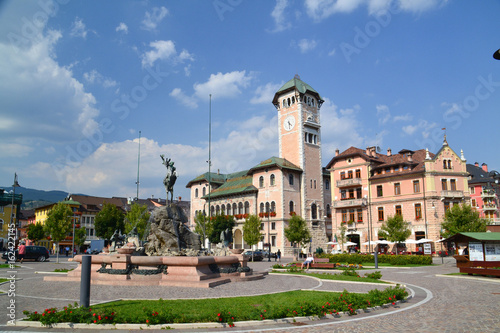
[440, 304]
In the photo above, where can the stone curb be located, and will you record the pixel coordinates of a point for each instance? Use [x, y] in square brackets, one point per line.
[478, 278]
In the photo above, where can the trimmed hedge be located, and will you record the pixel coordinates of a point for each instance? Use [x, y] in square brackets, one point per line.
[399, 259]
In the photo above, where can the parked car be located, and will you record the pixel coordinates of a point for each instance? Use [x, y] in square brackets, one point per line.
[266, 254]
[33, 252]
[257, 255]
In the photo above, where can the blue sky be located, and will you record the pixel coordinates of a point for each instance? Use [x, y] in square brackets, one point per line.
[80, 79]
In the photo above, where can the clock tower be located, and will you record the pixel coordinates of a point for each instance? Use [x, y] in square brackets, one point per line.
[298, 106]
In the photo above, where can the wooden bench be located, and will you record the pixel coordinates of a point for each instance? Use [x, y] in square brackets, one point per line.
[320, 263]
[481, 268]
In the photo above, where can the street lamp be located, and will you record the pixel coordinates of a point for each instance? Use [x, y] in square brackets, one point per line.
[13, 214]
[269, 233]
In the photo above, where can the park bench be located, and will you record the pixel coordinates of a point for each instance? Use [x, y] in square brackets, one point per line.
[481, 268]
[320, 263]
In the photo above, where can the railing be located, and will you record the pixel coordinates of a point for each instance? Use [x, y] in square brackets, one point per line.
[493, 221]
[488, 193]
[350, 203]
[452, 194]
[490, 207]
[349, 182]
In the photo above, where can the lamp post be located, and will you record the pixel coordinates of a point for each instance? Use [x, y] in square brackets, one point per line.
[269, 233]
[14, 212]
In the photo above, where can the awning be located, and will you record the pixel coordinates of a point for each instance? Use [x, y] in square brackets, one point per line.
[465, 237]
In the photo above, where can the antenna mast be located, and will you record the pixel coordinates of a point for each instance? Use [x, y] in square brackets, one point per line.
[138, 165]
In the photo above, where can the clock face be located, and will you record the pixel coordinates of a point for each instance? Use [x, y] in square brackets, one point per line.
[289, 123]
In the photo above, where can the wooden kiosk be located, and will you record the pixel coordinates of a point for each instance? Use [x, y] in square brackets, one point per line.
[484, 252]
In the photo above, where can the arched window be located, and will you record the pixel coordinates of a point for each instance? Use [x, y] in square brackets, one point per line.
[247, 207]
[444, 164]
[288, 101]
[291, 205]
[228, 209]
[240, 208]
[217, 209]
[327, 184]
[261, 181]
[293, 99]
[196, 193]
[272, 180]
[273, 206]
[223, 209]
[314, 212]
[449, 164]
[235, 209]
[290, 179]
[204, 191]
[267, 207]
[261, 207]
[212, 210]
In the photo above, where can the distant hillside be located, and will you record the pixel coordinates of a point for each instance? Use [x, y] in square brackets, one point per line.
[35, 198]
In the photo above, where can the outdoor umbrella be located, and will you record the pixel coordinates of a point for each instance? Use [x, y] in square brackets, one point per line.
[424, 240]
[383, 242]
[349, 244]
[411, 241]
[332, 243]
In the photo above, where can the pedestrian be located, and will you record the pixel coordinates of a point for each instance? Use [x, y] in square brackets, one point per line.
[21, 252]
[465, 251]
[278, 255]
[307, 262]
[67, 251]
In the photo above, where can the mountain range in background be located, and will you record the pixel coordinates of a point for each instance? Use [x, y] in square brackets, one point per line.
[37, 198]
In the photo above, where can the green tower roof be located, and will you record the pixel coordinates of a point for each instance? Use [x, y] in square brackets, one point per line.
[296, 83]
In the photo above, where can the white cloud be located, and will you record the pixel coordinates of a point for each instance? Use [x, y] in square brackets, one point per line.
[339, 128]
[162, 49]
[280, 20]
[265, 94]
[422, 125]
[95, 77]
[188, 101]
[410, 129]
[319, 10]
[223, 85]
[65, 110]
[122, 27]
[406, 117]
[306, 45]
[383, 114]
[152, 19]
[78, 29]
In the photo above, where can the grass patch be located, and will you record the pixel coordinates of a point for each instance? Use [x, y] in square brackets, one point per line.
[338, 277]
[2, 280]
[7, 266]
[222, 310]
[63, 270]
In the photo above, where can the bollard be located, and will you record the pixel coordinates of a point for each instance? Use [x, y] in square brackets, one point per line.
[376, 256]
[85, 282]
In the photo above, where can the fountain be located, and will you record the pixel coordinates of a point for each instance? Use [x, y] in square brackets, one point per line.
[172, 255]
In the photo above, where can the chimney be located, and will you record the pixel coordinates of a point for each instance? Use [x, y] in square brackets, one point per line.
[410, 157]
[337, 152]
[389, 152]
[485, 167]
[368, 151]
[218, 171]
[476, 164]
[374, 152]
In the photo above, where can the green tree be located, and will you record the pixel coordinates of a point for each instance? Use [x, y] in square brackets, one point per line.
[109, 219]
[36, 232]
[138, 216]
[80, 237]
[395, 229]
[203, 226]
[462, 218]
[251, 230]
[297, 231]
[59, 224]
[342, 235]
[220, 223]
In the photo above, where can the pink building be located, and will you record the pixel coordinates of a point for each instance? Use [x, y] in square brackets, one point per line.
[484, 190]
[278, 187]
[368, 187]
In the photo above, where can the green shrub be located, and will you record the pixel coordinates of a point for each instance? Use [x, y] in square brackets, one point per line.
[377, 275]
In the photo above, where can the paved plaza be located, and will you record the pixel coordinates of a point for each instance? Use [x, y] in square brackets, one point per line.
[440, 303]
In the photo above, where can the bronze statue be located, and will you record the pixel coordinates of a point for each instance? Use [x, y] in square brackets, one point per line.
[170, 178]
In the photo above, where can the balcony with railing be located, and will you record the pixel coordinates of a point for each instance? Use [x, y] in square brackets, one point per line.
[349, 182]
[495, 221]
[490, 206]
[488, 193]
[350, 203]
[452, 194]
